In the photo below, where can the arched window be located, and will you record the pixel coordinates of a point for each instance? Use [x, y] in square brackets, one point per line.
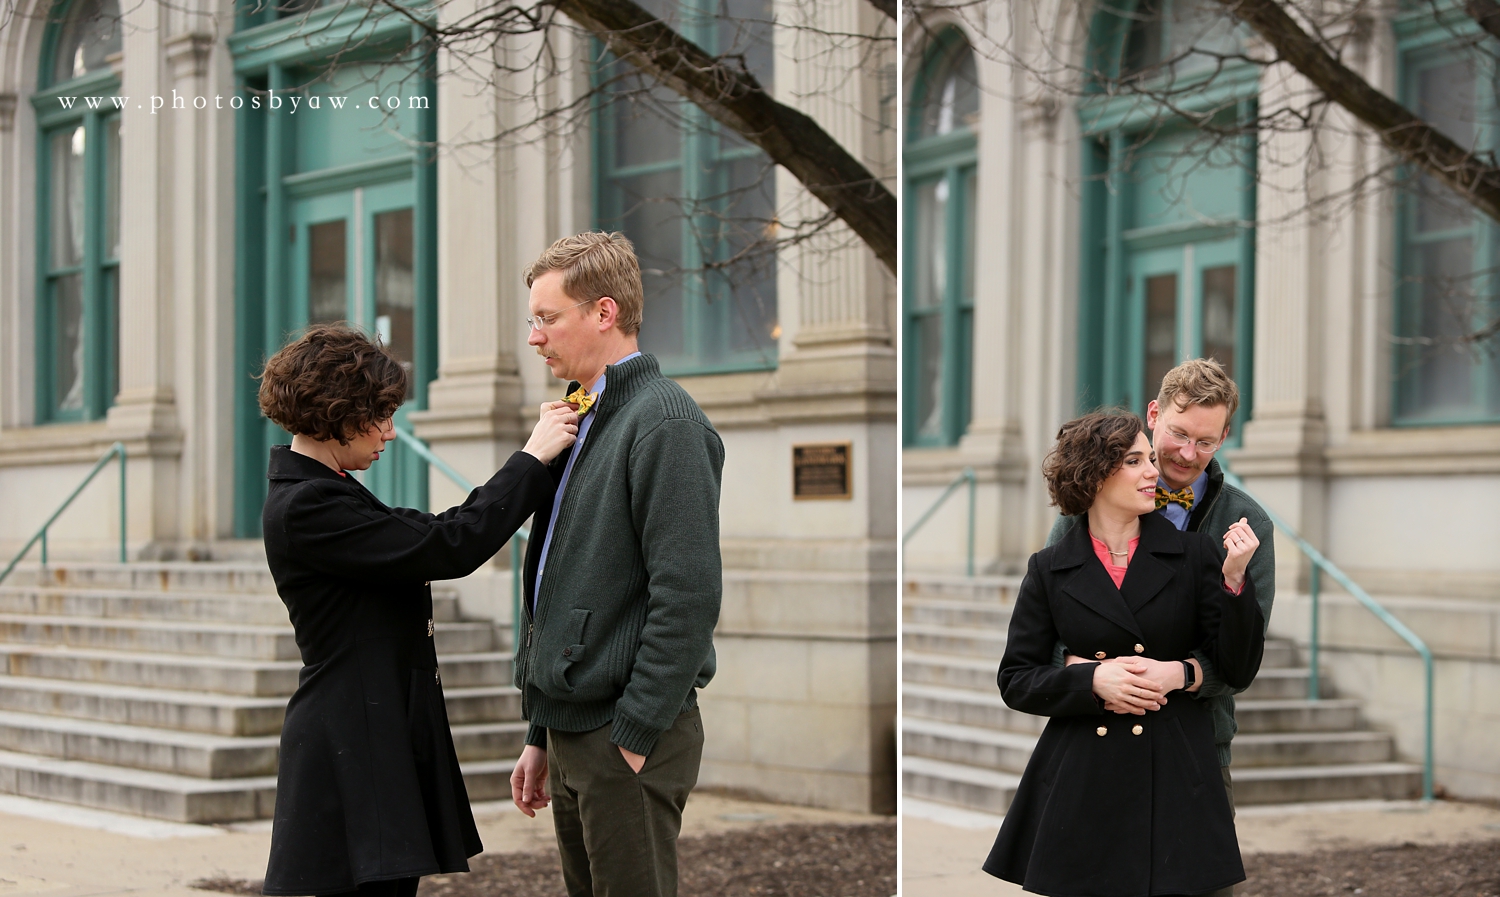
[697, 200]
[940, 159]
[1168, 209]
[1448, 253]
[78, 210]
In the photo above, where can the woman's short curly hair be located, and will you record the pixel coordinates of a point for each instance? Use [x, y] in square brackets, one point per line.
[332, 383]
[1089, 449]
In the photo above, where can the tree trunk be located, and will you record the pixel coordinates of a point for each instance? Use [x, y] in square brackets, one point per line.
[735, 99]
[1413, 139]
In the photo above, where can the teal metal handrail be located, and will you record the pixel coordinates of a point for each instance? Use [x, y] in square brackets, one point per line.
[41, 534]
[966, 477]
[516, 558]
[1321, 563]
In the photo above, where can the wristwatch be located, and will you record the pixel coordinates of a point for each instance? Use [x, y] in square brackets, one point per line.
[1187, 676]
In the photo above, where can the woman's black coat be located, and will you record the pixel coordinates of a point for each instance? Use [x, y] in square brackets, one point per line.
[1102, 811]
[369, 786]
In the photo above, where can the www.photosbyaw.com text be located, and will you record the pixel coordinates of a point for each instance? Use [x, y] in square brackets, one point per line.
[271, 100]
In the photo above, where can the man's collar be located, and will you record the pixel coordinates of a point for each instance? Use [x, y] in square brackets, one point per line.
[628, 374]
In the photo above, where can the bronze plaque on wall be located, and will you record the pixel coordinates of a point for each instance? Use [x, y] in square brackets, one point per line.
[821, 470]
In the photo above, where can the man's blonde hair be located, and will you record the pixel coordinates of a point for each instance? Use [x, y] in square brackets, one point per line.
[595, 265]
[1200, 381]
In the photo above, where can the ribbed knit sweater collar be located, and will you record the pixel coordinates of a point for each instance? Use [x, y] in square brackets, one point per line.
[624, 380]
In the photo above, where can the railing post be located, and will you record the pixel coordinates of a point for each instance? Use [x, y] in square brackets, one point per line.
[1427, 753]
[44, 548]
[1313, 691]
[119, 449]
[973, 488]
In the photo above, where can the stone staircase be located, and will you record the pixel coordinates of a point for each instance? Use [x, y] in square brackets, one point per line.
[158, 689]
[961, 745]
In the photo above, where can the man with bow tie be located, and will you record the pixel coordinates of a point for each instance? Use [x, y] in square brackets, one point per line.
[1189, 421]
[623, 581]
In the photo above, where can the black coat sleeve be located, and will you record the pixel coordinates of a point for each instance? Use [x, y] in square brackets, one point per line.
[333, 531]
[1029, 682]
[1231, 628]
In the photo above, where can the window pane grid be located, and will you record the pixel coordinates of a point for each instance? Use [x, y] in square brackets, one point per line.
[693, 197]
[1446, 283]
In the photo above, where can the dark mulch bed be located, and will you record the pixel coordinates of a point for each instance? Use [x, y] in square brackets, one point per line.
[773, 861]
[1407, 870]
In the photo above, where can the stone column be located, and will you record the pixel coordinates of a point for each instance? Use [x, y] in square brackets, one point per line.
[1282, 454]
[145, 413]
[803, 706]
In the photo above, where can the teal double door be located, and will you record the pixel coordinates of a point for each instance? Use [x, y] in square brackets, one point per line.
[352, 258]
[1183, 302]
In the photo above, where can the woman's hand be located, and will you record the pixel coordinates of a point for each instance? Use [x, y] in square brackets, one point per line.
[557, 429]
[1123, 686]
[1239, 545]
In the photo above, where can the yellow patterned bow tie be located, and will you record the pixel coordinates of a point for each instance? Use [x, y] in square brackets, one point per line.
[1183, 496]
[583, 399]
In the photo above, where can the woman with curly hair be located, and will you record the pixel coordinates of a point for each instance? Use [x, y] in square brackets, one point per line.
[369, 794]
[1113, 804]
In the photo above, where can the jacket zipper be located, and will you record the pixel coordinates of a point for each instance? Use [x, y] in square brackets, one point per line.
[537, 614]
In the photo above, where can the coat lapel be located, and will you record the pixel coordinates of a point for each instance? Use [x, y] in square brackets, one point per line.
[1148, 574]
[1091, 585]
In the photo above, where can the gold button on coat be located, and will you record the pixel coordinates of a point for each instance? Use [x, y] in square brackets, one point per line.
[1102, 731]
[431, 627]
[1098, 655]
[1137, 730]
[1140, 649]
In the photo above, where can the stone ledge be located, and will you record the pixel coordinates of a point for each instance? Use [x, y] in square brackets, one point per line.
[1454, 629]
[49, 444]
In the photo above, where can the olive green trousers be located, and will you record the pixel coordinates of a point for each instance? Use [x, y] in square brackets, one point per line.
[616, 828]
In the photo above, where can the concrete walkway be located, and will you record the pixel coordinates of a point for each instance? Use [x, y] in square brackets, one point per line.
[64, 851]
[943, 847]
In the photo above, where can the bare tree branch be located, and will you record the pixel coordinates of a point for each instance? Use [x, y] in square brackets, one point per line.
[1415, 140]
[1486, 13]
[735, 98]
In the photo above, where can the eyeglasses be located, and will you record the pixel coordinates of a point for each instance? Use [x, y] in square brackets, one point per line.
[1182, 439]
[537, 322]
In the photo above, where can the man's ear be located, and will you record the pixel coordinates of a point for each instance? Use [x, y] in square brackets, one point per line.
[609, 313]
[1152, 411]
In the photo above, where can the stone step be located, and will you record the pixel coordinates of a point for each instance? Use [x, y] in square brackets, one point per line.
[1351, 781]
[1280, 654]
[929, 639]
[950, 612]
[189, 711]
[967, 708]
[221, 675]
[253, 678]
[1254, 749]
[968, 745]
[984, 589]
[219, 640]
[1291, 715]
[165, 636]
[482, 704]
[185, 711]
[1276, 683]
[179, 798]
[252, 577]
[141, 792]
[487, 741]
[195, 754]
[214, 607]
[973, 673]
[954, 783]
